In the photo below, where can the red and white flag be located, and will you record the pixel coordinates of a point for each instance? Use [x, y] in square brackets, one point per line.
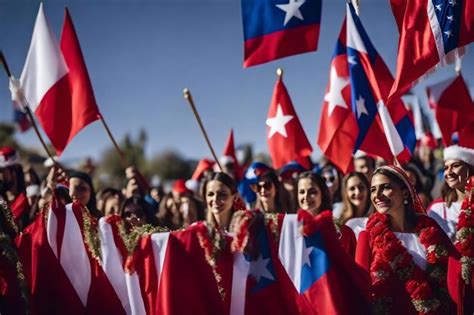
[454, 109]
[432, 32]
[55, 83]
[286, 138]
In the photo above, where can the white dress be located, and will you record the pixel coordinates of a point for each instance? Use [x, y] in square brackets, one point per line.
[414, 247]
[446, 217]
[357, 225]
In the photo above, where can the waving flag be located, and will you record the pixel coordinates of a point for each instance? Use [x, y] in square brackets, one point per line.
[326, 279]
[454, 109]
[286, 138]
[56, 84]
[229, 151]
[275, 29]
[431, 32]
[355, 115]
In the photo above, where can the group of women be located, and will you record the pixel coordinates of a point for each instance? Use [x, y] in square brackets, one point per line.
[408, 251]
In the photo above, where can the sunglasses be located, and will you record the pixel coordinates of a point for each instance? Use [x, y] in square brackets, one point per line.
[259, 186]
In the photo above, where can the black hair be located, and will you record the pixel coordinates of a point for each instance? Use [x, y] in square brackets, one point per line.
[271, 176]
[144, 206]
[92, 203]
[321, 184]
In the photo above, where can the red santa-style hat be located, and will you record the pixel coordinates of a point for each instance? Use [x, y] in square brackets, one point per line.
[456, 152]
[9, 157]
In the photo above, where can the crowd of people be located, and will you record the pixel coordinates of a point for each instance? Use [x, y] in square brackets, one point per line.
[400, 223]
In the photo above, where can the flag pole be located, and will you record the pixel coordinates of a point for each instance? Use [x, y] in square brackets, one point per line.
[123, 160]
[280, 73]
[189, 98]
[25, 106]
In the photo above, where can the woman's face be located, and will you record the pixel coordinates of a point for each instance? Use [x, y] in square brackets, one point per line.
[356, 192]
[387, 197]
[134, 215]
[309, 196]
[79, 190]
[219, 197]
[188, 210]
[265, 190]
[112, 205]
[332, 180]
[456, 174]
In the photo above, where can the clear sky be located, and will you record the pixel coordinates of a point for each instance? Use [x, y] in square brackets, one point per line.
[141, 54]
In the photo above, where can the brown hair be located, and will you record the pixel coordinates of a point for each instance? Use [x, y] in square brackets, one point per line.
[224, 179]
[321, 184]
[349, 209]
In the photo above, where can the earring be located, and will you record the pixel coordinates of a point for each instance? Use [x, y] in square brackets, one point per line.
[405, 201]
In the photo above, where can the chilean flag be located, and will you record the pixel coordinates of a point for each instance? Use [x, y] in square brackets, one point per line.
[454, 109]
[326, 279]
[275, 29]
[431, 32]
[56, 84]
[354, 115]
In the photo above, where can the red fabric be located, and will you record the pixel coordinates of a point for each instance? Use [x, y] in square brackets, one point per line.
[293, 146]
[20, 206]
[203, 165]
[417, 52]
[51, 291]
[229, 150]
[462, 294]
[10, 294]
[348, 240]
[69, 105]
[455, 112]
[281, 44]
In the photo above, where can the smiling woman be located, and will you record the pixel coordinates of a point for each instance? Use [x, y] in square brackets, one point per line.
[405, 251]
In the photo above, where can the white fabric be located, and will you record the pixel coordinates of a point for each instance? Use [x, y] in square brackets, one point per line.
[159, 243]
[290, 250]
[44, 65]
[74, 258]
[357, 225]
[126, 286]
[337, 209]
[393, 137]
[239, 284]
[52, 231]
[414, 247]
[456, 152]
[446, 217]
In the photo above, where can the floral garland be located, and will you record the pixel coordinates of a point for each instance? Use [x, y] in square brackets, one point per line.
[213, 241]
[91, 233]
[10, 253]
[465, 233]
[272, 222]
[391, 258]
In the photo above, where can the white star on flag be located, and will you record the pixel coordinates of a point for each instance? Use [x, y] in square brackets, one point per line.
[278, 123]
[438, 7]
[450, 18]
[361, 109]
[448, 33]
[351, 60]
[258, 269]
[292, 9]
[306, 259]
[452, 2]
[334, 96]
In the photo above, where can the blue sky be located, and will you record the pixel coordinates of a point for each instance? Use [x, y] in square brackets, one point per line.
[141, 54]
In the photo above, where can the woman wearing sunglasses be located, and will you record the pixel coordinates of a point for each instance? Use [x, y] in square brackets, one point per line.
[333, 179]
[313, 196]
[268, 190]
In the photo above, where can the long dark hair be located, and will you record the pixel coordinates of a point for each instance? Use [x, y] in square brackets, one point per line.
[92, 203]
[410, 212]
[349, 209]
[144, 206]
[449, 194]
[321, 184]
[272, 177]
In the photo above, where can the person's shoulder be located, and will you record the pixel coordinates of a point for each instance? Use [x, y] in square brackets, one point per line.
[436, 205]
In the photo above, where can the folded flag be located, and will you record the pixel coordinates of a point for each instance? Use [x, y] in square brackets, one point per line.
[275, 29]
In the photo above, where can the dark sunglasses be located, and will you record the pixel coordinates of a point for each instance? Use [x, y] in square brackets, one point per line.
[259, 186]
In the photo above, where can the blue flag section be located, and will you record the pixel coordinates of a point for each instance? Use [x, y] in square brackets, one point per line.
[275, 29]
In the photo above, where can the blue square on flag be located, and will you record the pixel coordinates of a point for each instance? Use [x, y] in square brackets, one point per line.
[275, 29]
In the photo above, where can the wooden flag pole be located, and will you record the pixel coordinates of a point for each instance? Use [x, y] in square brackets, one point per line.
[26, 107]
[123, 160]
[189, 98]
